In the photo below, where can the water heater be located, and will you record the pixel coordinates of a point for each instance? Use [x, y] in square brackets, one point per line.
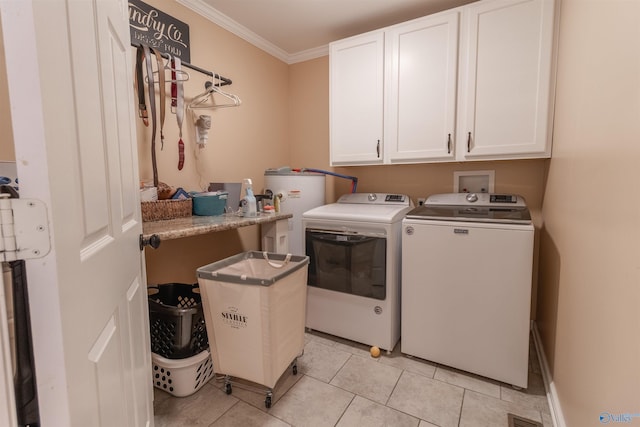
[298, 192]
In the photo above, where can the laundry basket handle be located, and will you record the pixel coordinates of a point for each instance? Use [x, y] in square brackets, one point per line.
[273, 264]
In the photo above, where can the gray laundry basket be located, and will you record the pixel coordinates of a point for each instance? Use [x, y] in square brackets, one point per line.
[255, 308]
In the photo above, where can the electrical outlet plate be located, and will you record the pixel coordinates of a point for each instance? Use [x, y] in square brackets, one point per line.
[474, 181]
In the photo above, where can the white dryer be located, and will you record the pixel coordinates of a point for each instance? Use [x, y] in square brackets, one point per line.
[466, 284]
[354, 267]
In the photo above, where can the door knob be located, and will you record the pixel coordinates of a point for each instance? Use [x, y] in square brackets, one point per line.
[153, 241]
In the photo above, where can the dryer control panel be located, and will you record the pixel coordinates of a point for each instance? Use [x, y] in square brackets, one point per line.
[375, 199]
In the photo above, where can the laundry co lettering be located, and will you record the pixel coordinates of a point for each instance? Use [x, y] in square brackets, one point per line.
[142, 21]
[155, 28]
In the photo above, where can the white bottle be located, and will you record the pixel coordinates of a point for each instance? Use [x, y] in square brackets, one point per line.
[249, 202]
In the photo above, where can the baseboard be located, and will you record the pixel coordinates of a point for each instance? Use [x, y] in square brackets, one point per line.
[552, 395]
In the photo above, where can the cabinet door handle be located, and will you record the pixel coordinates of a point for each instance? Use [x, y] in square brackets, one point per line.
[449, 144]
[469, 142]
[378, 149]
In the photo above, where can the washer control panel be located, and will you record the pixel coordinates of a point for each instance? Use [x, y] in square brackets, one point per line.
[476, 199]
[399, 198]
[503, 198]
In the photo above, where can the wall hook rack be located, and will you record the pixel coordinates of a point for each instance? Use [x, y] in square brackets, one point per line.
[223, 80]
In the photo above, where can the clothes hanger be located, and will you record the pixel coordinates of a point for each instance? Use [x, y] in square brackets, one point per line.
[200, 101]
[181, 75]
[236, 101]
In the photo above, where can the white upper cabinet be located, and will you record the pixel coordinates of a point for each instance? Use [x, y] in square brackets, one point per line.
[356, 99]
[471, 83]
[422, 58]
[506, 80]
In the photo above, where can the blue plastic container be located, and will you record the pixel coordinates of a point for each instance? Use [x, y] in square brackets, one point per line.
[209, 204]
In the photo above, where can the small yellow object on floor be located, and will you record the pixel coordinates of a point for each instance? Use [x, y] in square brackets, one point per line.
[375, 351]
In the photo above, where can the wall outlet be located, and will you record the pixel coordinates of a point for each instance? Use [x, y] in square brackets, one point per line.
[421, 201]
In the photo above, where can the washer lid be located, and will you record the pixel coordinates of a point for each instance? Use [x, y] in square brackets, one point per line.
[483, 207]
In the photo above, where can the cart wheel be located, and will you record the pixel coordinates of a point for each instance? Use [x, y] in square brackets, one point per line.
[227, 388]
[295, 369]
[267, 402]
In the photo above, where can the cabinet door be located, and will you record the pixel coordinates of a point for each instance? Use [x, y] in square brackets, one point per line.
[422, 58]
[506, 79]
[356, 99]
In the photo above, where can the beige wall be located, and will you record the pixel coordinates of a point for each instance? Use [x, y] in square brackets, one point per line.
[589, 315]
[243, 141]
[309, 117]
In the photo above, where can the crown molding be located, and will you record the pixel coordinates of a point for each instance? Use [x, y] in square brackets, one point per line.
[222, 20]
[308, 54]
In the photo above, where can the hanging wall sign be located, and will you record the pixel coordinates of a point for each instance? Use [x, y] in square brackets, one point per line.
[155, 28]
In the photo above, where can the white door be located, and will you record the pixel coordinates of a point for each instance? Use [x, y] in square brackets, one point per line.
[422, 63]
[356, 99]
[506, 80]
[70, 88]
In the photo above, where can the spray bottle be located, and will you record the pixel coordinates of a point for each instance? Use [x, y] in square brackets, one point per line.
[249, 201]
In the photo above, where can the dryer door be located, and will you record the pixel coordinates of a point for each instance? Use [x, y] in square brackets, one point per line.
[347, 262]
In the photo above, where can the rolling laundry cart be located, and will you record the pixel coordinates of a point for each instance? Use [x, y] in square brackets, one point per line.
[255, 307]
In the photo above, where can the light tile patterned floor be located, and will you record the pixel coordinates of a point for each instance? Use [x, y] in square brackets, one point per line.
[339, 384]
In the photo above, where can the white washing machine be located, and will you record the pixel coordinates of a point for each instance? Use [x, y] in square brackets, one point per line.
[466, 284]
[354, 268]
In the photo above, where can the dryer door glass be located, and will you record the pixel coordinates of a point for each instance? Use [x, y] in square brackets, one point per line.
[349, 263]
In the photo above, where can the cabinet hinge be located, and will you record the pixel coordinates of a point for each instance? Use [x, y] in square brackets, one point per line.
[24, 229]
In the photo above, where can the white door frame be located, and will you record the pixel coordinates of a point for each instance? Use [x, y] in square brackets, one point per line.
[28, 127]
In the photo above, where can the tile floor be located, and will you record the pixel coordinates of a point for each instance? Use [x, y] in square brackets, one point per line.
[340, 384]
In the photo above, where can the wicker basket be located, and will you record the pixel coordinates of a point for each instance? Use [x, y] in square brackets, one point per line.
[166, 209]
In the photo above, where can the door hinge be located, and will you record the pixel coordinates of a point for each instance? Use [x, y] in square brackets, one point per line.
[24, 229]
